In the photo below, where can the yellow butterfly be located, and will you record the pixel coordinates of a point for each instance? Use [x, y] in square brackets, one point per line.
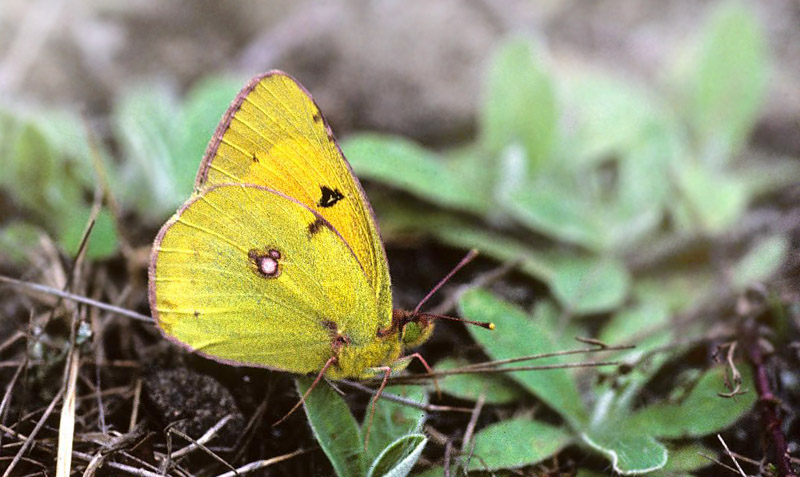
[276, 260]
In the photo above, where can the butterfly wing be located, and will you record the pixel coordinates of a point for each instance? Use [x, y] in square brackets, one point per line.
[247, 275]
[274, 135]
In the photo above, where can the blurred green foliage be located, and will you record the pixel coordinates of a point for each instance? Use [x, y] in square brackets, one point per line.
[164, 140]
[51, 168]
[48, 174]
[580, 174]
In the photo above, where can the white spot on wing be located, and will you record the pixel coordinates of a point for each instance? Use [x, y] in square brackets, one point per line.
[268, 266]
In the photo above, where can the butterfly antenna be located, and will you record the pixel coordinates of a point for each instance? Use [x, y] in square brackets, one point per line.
[328, 364]
[483, 324]
[464, 261]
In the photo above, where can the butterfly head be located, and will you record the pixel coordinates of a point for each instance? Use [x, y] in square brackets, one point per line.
[414, 328]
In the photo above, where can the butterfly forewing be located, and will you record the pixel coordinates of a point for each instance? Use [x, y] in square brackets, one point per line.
[274, 135]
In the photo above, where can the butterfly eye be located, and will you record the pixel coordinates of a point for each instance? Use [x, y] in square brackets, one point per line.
[267, 263]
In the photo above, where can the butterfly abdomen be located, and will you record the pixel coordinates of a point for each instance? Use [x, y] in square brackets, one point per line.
[357, 361]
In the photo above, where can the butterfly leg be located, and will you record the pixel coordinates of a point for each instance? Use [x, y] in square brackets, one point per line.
[405, 360]
[387, 371]
[328, 364]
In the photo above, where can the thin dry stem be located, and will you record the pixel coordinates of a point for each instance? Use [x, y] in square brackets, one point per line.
[728, 451]
[66, 428]
[30, 438]
[260, 464]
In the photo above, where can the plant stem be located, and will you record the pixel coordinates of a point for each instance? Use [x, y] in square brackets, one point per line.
[768, 401]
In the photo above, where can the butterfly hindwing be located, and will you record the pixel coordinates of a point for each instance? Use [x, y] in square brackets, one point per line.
[274, 135]
[247, 275]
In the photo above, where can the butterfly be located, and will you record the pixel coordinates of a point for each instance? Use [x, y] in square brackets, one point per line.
[276, 260]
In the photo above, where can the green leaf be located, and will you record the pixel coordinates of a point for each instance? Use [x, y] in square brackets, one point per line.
[589, 473]
[609, 116]
[203, 108]
[37, 177]
[686, 458]
[630, 322]
[728, 81]
[334, 428]
[702, 411]
[399, 457]
[48, 172]
[30, 172]
[437, 471]
[393, 420]
[532, 262]
[520, 104]
[516, 335]
[714, 199]
[590, 285]
[576, 281]
[677, 291]
[18, 242]
[103, 241]
[629, 452]
[156, 176]
[407, 166]
[516, 443]
[495, 388]
[67, 134]
[760, 262]
[634, 324]
[557, 212]
[642, 192]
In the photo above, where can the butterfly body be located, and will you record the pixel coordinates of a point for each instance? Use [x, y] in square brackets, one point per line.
[276, 260]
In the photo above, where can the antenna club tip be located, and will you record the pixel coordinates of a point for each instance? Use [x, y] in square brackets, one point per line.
[491, 326]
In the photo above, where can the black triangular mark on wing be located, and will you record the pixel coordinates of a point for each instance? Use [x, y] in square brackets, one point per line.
[329, 196]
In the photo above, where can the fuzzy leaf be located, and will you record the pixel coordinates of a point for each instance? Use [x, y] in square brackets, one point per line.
[202, 110]
[18, 242]
[407, 166]
[702, 411]
[761, 261]
[532, 262]
[103, 241]
[590, 285]
[521, 105]
[629, 452]
[633, 320]
[516, 443]
[517, 335]
[714, 199]
[496, 389]
[334, 427]
[609, 113]
[728, 81]
[686, 458]
[559, 213]
[399, 457]
[394, 420]
[30, 170]
[147, 122]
